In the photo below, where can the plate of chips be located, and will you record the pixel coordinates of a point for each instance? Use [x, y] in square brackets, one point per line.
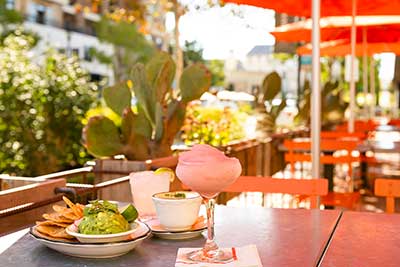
[55, 223]
[52, 233]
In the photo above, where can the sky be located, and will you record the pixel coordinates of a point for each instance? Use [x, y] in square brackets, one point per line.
[222, 31]
[232, 31]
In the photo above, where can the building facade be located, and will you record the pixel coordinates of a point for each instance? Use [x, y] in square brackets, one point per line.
[67, 26]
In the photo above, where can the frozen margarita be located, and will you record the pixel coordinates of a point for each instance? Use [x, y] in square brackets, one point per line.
[207, 170]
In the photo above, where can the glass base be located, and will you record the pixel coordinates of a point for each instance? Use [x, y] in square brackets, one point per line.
[211, 256]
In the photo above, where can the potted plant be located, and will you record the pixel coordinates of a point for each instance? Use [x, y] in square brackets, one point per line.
[148, 128]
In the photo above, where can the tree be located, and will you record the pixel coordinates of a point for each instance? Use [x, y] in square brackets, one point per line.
[42, 106]
[192, 53]
[8, 16]
[216, 68]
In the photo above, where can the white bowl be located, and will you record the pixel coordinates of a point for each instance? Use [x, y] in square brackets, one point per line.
[106, 238]
[177, 214]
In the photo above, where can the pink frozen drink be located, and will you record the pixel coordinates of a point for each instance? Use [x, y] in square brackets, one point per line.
[207, 170]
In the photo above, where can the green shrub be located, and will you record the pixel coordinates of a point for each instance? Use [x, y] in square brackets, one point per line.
[212, 125]
[42, 103]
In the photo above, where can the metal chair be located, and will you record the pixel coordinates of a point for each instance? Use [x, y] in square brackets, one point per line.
[309, 187]
[389, 188]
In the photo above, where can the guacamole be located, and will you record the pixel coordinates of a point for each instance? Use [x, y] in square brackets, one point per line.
[102, 218]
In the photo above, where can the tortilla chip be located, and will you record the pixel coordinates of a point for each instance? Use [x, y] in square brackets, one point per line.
[53, 231]
[60, 209]
[36, 233]
[55, 217]
[53, 223]
[74, 208]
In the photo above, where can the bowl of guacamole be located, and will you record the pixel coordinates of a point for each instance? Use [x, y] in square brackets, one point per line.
[102, 223]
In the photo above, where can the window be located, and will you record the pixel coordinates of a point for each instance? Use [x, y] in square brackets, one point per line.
[40, 14]
[87, 55]
[10, 4]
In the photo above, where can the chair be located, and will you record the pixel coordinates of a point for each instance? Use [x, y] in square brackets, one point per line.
[298, 151]
[22, 206]
[309, 187]
[389, 188]
[343, 135]
[168, 162]
[359, 126]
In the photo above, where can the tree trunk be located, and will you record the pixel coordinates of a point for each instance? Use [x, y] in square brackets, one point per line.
[178, 11]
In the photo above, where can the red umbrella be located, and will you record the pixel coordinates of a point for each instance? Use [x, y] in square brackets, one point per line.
[343, 47]
[314, 9]
[328, 7]
[378, 29]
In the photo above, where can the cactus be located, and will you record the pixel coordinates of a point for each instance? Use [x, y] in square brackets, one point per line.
[267, 115]
[150, 131]
[332, 106]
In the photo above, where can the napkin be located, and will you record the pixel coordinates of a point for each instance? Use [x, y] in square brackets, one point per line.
[246, 256]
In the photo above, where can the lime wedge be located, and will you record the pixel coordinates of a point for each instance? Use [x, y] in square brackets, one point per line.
[129, 212]
[166, 170]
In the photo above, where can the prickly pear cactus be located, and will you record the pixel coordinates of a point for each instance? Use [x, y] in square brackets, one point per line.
[148, 132]
[266, 113]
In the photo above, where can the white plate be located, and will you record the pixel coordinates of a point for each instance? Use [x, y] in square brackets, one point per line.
[178, 236]
[85, 250]
[108, 238]
[159, 231]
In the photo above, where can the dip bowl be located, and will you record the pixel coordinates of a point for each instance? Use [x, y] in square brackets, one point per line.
[177, 211]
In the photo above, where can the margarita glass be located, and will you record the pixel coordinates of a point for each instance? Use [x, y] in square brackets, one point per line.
[208, 171]
[143, 186]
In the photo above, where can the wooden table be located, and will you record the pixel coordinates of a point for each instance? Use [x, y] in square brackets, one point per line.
[283, 237]
[365, 239]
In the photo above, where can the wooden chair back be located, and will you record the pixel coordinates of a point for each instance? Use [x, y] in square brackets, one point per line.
[22, 206]
[168, 162]
[33, 193]
[309, 187]
[389, 188]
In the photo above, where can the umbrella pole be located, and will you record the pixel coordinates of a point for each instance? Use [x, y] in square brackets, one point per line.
[315, 92]
[365, 72]
[372, 86]
[352, 68]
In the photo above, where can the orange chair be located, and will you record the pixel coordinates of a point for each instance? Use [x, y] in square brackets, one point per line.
[309, 187]
[298, 151]
[343, 135]
[359, 126]
[394, 122]
[389, 188]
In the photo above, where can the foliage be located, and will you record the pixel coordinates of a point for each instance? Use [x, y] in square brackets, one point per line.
[130, 46]
[212, 125]
[266, 111]
[149, 131]
[332, 105]
[193, 53]
[8, 16]
[217, 70]
[42, 106]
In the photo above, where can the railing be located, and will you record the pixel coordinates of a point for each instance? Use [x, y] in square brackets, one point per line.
[107, 179]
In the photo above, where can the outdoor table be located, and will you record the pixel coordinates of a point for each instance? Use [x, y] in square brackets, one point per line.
[284, 237]
[365, 239]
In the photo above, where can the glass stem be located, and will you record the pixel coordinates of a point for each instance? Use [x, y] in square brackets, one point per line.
[210, 243]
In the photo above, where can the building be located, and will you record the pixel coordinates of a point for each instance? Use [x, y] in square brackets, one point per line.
[248, 74]
[69, 27]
